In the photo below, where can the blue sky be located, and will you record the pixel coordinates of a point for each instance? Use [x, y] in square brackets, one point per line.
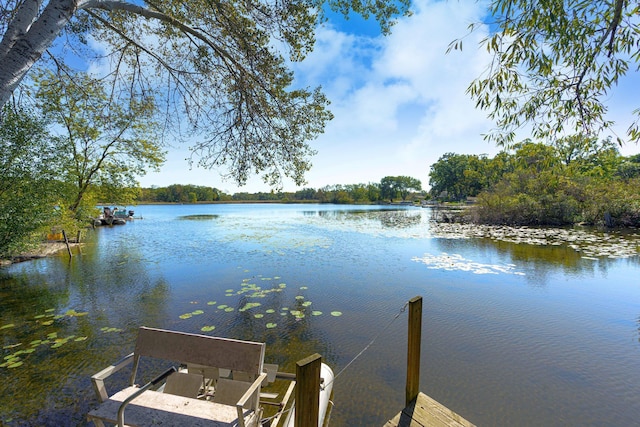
[399, 101]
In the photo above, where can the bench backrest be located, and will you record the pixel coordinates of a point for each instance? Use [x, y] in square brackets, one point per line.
[225, 353]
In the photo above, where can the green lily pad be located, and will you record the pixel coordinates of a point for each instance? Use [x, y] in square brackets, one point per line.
[258, 315]
[222, 306]
[271, 325]
[316, 313]
[80, 339]
[250, 305]
[306, 303]
[207, 328]
[270, 310]
[15, 365]
[336, 313]
[10, 325]
[11, 346]
[195, 313]
[303, 288]
[186, 316]
[212, 303]
[48, 322]
[229, 309]
[299, 297]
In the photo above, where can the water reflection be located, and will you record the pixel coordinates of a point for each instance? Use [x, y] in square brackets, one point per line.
[498, 352]
[387, 217]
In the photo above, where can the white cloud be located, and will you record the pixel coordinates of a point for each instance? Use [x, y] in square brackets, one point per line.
[399, 101]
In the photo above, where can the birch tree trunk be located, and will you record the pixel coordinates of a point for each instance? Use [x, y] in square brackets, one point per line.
[27, 37]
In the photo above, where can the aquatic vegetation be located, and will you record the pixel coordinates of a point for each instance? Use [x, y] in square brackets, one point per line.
[207, 328]
[271, 325]
[584, 241]
[198, 217]
[250, 305]
[453, 262]
[336, 313]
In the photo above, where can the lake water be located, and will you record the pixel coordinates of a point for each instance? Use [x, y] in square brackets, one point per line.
[521, 327]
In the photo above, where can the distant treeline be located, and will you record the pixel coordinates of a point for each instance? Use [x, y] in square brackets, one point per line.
[390, 188]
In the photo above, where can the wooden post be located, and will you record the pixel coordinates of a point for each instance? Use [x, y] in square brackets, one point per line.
[66, 241]
[413, 349]
[308, 391]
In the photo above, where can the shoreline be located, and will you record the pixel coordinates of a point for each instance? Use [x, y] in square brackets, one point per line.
[44, 250]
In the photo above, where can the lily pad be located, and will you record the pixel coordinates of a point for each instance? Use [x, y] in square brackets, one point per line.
[336, 313]
[258, 315]
[222, 306]
[270, 310]
[10, 325]
[207, 328]
[303, 288]
[271, 325]
[250, 305]
[186, 316]
[316, 313]
[299, 297]
[11, 346]
[195, 313]
[229, 309]
[212, 303]
[306, 303]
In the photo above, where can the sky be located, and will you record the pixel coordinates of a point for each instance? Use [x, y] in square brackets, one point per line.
[399, 101]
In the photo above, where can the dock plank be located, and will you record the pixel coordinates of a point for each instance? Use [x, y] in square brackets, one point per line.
[425, 411]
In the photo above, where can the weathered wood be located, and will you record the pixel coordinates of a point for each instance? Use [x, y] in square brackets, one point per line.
[223, 353]
[153, 407]
[425, 411]
[66, 242]
[413, 349]
[308, 391]
[202, 350]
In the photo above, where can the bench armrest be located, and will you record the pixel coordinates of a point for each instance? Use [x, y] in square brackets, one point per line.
[252, 391]
[98, 379]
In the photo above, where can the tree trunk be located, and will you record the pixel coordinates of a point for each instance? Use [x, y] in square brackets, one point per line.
[27, 37]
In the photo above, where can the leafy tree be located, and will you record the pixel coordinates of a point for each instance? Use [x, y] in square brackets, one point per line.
[554, 64]
[457, 176]
[218, 69]
[27, 186]
[392, 186]
[407, 185]
[104, 142]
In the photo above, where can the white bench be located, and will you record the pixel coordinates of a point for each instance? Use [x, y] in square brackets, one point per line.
[165, 408]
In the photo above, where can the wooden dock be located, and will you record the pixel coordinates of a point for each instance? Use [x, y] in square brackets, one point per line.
[421, 410]
[424, 411]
